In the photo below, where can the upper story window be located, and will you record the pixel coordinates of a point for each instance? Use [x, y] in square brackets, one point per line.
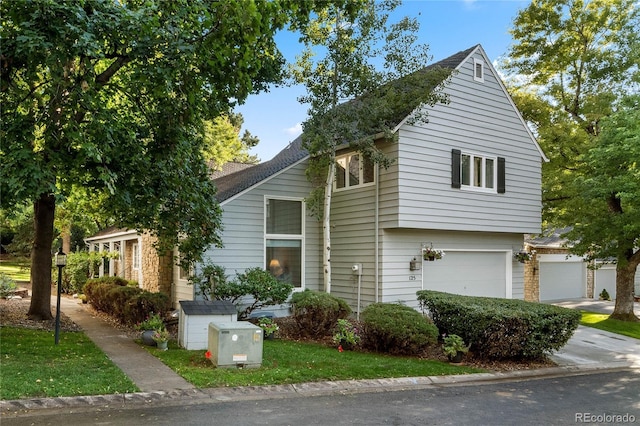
[478, 70]
[353, 170]
[477, 172]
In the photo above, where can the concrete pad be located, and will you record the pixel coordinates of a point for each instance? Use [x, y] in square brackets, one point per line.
[592, 346]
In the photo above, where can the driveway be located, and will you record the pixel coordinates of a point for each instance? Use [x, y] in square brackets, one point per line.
[596, 347]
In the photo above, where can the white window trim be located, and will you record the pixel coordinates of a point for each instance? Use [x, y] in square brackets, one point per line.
[135, 256]
[482, 188]
[477, 62]
[360, 177]
[292, 237]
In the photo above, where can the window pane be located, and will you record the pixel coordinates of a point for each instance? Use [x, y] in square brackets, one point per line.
[477, 171]
[465, 169]
[368, 171]
[354, 170]
[340, 172]
[284, 217]
[284, 260]
[489, 176]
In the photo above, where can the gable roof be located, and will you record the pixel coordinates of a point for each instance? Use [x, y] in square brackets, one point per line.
[235, 183]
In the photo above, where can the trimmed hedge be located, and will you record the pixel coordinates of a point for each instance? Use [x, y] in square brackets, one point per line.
[316, 313]
[123, 300]
[501, 328]
[396, 329]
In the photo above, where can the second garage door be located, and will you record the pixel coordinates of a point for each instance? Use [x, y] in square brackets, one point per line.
[562, 278]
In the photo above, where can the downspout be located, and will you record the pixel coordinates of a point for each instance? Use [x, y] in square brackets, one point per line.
[376, 231]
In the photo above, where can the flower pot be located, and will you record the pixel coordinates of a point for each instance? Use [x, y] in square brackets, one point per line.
[457, 358]
[163, 346]
[269, 336]
[147, 338]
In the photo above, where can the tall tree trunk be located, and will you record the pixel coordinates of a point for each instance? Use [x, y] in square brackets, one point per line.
[44, 209]
[326, 224]
[623, 309]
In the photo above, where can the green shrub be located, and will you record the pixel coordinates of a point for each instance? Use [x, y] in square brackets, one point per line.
[396, 329]
[143, 303]
[501, 328]
[252, 289]
[118, 298]
[316, 313]
[78, 270]
[123, 300]
[7, 285]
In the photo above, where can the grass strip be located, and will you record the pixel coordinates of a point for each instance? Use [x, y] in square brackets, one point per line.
[603, 322]
[34, 367]
[287, 362]
[19, 271]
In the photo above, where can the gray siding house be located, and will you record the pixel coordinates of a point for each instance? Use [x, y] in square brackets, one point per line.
[466, 182]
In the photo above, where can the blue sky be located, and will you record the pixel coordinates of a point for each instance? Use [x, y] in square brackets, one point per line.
[447, 26]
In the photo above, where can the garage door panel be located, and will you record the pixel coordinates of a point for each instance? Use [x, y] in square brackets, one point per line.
[562, 280]
[470, 274]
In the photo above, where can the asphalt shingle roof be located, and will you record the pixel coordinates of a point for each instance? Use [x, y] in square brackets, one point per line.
[234, 183]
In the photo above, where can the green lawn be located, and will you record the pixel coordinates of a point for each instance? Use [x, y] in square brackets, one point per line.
[19, 270]
[602, 322]
[33, 366]
[286, 362]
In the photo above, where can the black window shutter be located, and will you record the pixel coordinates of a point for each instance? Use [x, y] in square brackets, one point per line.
[501, 176]
[455, 168]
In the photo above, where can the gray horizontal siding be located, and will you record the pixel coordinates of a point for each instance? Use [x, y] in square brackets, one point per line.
[416, 191]
[353, 241]
[399, 246]
[243, 234]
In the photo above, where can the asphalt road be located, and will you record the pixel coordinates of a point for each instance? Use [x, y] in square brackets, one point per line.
[603, 398]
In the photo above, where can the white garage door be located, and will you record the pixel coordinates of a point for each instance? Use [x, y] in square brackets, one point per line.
[562, 280]
[605, 278]
[467, 273]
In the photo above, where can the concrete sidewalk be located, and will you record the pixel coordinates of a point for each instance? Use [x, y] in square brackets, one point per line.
[145, 370]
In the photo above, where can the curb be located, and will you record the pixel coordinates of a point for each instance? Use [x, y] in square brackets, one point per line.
[219, 395]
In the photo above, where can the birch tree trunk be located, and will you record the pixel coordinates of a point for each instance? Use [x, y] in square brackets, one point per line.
[326, 224]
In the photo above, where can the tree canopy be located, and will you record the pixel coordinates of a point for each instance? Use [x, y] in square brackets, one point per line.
[112, 96]
[572, 64]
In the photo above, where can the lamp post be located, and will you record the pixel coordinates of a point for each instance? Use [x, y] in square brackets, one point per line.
[61, 261]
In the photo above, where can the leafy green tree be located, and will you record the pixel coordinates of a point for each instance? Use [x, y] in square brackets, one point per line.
[351, 101]
[606, 210]
[111, 96]
[571, 63]
[223, 142]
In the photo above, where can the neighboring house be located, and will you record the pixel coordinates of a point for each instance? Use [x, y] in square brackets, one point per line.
[556, 274]
[467, 182]
[138, 259]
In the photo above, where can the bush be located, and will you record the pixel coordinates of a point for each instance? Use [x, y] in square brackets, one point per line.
[396, 329]
[123, 300]
[141, 304]
[7, 285]
[255, 284]
[78, 270]
[501, 328]
[316, 313]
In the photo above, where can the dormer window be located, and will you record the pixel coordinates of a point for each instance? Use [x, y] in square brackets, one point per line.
[353, 170]
[478, 70]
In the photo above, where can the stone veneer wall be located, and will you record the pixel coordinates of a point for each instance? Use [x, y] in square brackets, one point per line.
[157, 270]
[532, 274]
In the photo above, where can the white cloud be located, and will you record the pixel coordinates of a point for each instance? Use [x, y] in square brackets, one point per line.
[295, 130]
